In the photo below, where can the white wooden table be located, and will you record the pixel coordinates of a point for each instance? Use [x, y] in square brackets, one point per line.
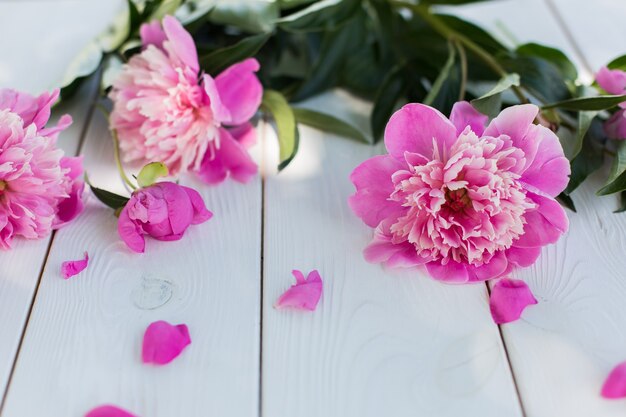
[381, 343]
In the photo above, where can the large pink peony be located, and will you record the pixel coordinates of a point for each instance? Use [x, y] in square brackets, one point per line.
[614, 82]
[40, 188]
[466, 201]
[166, 110]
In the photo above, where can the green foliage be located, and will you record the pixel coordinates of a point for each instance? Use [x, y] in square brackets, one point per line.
[328, 123]
[217, 61]
[108, 198]
[490, 103]
[287, 129]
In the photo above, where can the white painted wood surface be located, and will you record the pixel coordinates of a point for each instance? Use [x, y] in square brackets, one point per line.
[381, 342]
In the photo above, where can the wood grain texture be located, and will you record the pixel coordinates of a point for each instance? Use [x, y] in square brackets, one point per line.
[381, 342]
[83, 342]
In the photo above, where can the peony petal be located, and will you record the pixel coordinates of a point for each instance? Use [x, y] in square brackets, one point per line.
[453, 272]
[152, 34]
[240, 90]
[71, 268]
[382, 250]
[615, 127]
[509, 297]
[109, 411]
[64, 122]
[181, 41]
[496, 267]
[163, 342]
[231, 158]
[544, 225]
[130, 232]
[179, 210]
[420, 129]
[464, 114]
[523, 257]
[612, 81]
[615, 384]
[304, 294]
[373, 183]
[200, 212]
[220, 111]
[245, 134]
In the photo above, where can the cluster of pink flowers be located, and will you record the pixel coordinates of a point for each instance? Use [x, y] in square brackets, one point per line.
[614, 82]
[40, 188]
[467, 201]
[166, 110]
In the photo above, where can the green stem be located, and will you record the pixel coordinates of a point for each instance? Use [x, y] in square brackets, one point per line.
[449, 33]
[118, 162]
[463, 59]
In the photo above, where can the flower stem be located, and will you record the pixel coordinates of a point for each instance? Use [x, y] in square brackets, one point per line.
[118, 162]
[463, 59]
[449, 33]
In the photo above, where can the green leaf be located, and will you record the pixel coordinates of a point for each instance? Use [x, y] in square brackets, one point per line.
[491, 102]
[253, 16]
[81, 67]
[552, 55]
[328, 123]
[217, 61]
[618, 63]
[286, 126]
[596, 103]
[622, 203]
[150, 172]
[111, 68]
[108, 198]
[453, 2]
[445, 89]
[324, 15]
[134, 17]
[288, 4]
[388, 95]
[567, 201]
[573, 143]
[538, 76]
[590, 158]
[617, 177]
[162, 9]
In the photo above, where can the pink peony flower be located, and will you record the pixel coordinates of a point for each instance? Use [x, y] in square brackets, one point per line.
[614, 82]
[163, 210]
[40, 188]
[467, 202]
[165, 109]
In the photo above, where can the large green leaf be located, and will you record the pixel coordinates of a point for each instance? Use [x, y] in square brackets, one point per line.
[108, 198]
[491, 102]
[538, 76]
[390, 92]
[286, 126]
[253, 16]
[217, 61]
[573, 142]
[81, 67]
[552, 55]
[445, 90]
[617, 177]
[596, 103]
[328, 123]
[591, 157]
[618, 63]
[322, 15]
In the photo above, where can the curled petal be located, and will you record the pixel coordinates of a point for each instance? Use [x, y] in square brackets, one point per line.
[615, 384]
[509, 298]
[71, 268]
[109, 411]
[549, 170]
[612, 81]
[419, 129]
[240, 90]
[182, 43]
[200, 212]
[464, 114]
[130, 232]
[544, 225]
[163, 342]
[496, 266]
[304, 294]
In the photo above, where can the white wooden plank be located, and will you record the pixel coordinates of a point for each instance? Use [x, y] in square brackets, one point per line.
[564, 347]
[381, 342]
[82, 344]
[28, 63]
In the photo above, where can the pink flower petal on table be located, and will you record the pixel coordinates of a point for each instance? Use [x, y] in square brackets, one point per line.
[509, 298]
[615, 384]
[304, 294]
[109, 411]
[163, 342]
[71, 268]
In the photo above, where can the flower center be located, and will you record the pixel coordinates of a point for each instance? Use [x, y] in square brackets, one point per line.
[458, 200]
[3, 185]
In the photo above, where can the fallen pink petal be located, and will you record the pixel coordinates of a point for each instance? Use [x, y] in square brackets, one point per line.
[71, 268]
[615, 384]
[304, 294]
[109, 411]
[509, 298]
[163, 342]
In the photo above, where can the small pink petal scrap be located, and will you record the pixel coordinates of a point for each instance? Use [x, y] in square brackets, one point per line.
[163, 342]
[109, 411]
[509, 298]
[615, 385]
[71, 268]
[304, 294]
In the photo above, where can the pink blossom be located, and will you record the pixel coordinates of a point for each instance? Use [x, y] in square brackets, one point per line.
[163, 342]
[304, 294]
[615, 385]
[614, 82]
[509, 297]
[165, 109]
[108, 411]
[163, 210]
[469, 206]
[71, 268]
[40, 188]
